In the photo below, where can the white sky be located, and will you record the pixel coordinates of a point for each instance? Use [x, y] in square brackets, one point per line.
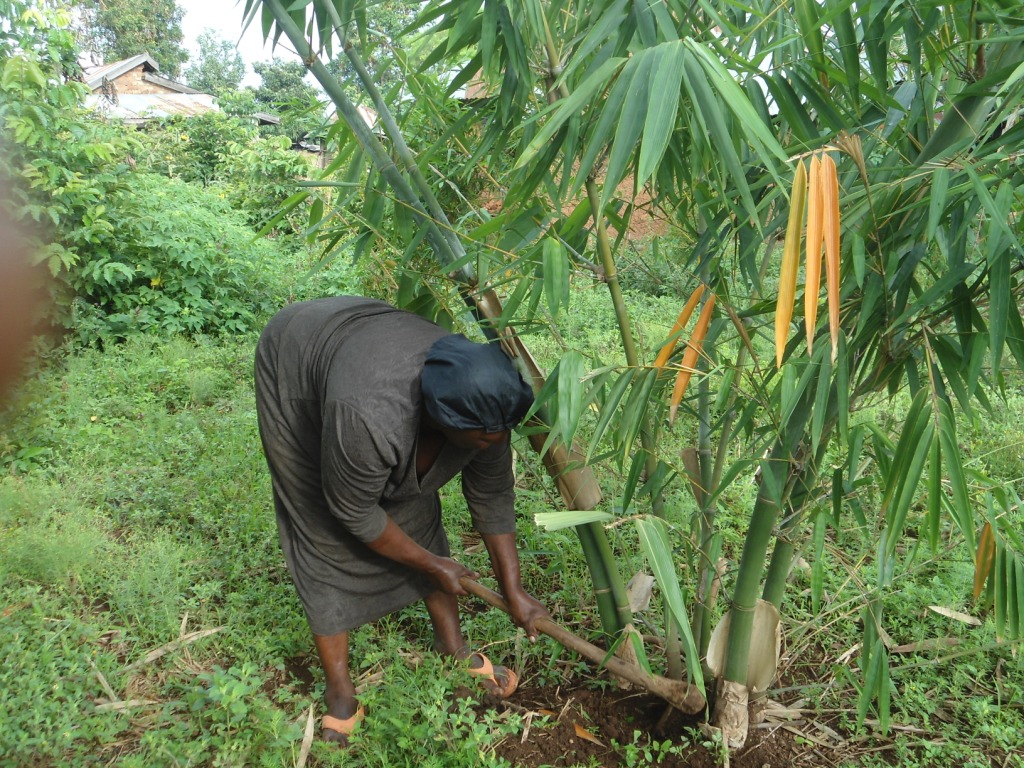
[225, 17]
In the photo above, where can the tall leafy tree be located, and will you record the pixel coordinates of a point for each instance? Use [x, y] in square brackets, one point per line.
[218, 69]
[283, 90]
[118, 29]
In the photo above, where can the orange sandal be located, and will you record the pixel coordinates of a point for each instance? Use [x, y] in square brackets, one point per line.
[343, 725]
[487, 671]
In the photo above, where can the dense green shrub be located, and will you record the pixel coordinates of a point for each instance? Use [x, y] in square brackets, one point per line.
[63, 164]
[189, 148]
[257, 177]
[178, 260]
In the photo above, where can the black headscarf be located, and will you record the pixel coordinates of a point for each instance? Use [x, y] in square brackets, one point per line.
[473, 386]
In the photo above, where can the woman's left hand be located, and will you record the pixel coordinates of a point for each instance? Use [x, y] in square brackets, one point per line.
[525, 610]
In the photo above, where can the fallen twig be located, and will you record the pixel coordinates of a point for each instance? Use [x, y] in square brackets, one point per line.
[175, 645]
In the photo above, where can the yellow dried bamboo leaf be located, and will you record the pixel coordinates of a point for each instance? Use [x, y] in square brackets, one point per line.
[830, 195]
[684, 317]
[851, 145]
[693, 348]
[984, 559]
[815, 225]
[790, 261]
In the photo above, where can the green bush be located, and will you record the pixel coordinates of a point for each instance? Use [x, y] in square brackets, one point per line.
[257, 177]
[178, 260]
[190, 148]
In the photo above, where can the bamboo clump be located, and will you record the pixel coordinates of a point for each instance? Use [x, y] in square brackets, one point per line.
[817, 189]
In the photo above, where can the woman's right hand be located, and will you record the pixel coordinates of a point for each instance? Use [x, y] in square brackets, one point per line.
[445, 573]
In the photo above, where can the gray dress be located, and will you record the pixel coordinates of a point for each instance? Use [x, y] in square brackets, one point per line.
[338, 402]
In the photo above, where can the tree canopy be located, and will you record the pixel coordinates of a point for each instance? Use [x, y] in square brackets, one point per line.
[118, 29]
[284, 91]
[218, 68]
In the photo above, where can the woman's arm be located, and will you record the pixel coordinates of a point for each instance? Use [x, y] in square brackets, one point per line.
[524, 609]
[395, 544]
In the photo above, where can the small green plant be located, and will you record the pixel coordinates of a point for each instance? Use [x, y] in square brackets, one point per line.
[643, 751]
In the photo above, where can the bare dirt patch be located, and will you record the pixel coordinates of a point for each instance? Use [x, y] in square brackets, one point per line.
[596, 728]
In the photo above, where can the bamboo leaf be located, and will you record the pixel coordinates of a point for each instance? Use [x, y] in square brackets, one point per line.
[998, 212]
[1018, 567]
[1015, 334]
[571, 370]
[937, 201]
[911, 451]
[842, 369]
[602, 134]
[662, 103]
[514, 301]
[556, 521]
[693, 349]
[884, 709]
[933, 518]
[984, 559]
[716, 134]
[998, 258]
[815, 233]
[999, 591]
[684, 317]
[630, 124]
[821, 396]
[557, 115]
[761, 135]
[953, 461]
[1012, 596]
[609, 407]
[792, 108]
[655, 542]
[818, 566]
[830, 203]
[636, 468]
[806, 12]
[849, 50]
[859, 259]
[634, 409]
[790, 261]
[556, 275]
[872, 670]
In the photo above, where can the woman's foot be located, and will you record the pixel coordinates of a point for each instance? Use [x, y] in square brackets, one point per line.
[343, 715]
[501, 681]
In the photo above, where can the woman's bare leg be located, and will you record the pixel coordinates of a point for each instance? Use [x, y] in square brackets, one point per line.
[448, 640]
[340, 695]
[444, 615]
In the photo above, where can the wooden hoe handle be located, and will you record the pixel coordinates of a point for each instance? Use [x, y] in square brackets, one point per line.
[683, 696]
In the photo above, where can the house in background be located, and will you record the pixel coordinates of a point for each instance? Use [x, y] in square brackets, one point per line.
[133, 90]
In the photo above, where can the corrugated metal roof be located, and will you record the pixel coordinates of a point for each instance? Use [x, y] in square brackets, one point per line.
[139, 107]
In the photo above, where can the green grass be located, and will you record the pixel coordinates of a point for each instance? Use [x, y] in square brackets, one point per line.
[135, 511]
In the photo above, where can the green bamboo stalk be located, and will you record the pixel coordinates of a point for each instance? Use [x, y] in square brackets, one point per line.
[603, 594]
[782, 554]
[799, 496]
[703, 610]
[775, 472]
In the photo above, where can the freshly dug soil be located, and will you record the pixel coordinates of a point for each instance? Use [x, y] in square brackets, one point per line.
[595, 728]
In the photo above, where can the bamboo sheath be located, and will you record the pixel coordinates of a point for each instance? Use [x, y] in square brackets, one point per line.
[681, 695]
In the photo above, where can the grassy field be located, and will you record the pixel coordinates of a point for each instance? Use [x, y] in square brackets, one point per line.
[146, 617]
